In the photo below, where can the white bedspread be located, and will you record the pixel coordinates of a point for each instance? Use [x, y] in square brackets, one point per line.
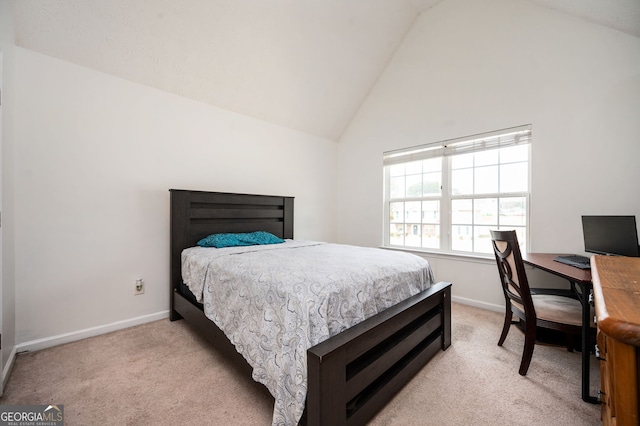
[275, 301]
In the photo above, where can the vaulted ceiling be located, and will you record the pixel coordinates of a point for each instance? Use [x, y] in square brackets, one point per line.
[303, 64]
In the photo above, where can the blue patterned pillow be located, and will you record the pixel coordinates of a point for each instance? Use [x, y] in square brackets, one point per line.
[243, 239]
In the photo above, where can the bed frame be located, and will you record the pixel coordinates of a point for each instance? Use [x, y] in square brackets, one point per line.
[352, 375]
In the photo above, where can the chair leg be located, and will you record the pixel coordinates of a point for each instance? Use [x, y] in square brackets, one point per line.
[507, 325]
[529, 344]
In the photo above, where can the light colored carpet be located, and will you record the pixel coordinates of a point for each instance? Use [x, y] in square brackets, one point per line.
[163, 373]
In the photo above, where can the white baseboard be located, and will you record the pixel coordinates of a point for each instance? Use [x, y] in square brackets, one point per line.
[47, 342]
[476, 304]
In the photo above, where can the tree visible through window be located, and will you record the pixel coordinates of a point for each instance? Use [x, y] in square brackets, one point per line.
[448, 195]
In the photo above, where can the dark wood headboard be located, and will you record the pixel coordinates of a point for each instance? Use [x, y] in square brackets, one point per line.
[196, 214]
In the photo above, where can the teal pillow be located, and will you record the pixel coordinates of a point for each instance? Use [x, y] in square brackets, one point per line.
[242, 239]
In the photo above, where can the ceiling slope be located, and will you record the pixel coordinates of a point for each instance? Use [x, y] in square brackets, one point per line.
[303, 64]
[621, 15]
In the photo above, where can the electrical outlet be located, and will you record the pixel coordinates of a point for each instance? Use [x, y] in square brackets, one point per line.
[139, 288]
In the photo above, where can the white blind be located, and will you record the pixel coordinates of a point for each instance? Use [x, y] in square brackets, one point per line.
[481, 142]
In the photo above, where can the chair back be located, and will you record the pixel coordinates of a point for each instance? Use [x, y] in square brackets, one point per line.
[512, 274]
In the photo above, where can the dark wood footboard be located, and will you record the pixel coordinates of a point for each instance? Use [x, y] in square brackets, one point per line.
[352, 375]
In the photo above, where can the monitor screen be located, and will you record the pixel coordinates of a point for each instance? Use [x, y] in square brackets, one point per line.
[613, 235]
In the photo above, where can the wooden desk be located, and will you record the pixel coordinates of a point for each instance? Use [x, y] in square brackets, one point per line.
[616, 291]
[582, 279]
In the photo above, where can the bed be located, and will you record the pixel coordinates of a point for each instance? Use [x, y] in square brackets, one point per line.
[351, 375]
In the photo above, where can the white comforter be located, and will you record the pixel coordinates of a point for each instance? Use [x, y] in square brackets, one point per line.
[275, 301]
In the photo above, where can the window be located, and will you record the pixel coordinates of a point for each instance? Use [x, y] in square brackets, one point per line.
[446, 196]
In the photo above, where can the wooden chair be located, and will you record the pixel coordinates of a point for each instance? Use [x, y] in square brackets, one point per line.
[552, 309]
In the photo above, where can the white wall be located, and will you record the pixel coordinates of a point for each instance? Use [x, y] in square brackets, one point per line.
[8, 216]
[468, 67]
[95, 156]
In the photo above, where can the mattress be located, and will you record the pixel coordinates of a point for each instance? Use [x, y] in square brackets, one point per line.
[274, 302]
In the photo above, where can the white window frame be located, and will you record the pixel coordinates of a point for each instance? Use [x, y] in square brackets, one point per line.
[446, 150]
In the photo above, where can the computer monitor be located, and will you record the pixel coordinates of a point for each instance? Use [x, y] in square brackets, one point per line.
[611, 235]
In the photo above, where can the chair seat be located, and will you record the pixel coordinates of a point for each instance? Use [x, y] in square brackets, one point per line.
[554, 308]
[559, 309]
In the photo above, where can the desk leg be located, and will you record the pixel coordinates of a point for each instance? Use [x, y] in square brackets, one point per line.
[586, 350]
